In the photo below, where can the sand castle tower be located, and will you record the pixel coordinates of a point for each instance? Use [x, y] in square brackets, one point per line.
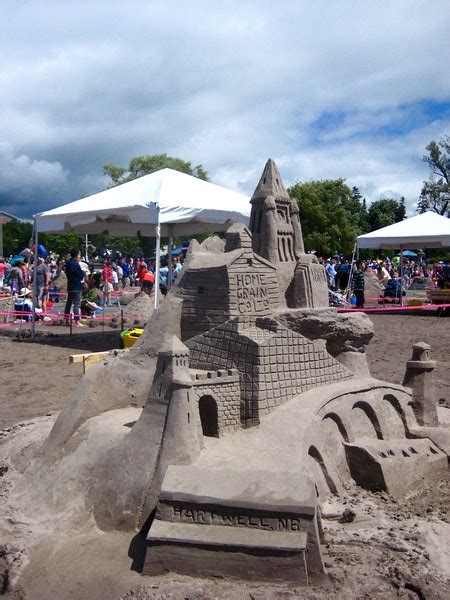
[275, 220]
[277, 237]
[171, 420]
[182, 433]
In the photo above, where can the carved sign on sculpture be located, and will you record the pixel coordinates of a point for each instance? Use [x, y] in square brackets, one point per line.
[252, 293]
[186, 514]
[310, 287]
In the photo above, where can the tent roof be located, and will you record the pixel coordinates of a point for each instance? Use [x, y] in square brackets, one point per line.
[428, 230]
[188, 204]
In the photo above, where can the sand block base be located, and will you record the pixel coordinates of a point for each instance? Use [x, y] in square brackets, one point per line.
[227, 552]
[438, 435]
[247, 524]
[394, 466]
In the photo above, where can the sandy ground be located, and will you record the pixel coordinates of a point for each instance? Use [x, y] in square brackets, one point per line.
[37, 379]
[390, 550]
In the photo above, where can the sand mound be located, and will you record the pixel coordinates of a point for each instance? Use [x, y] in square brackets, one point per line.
[373, 287]
[139, 309]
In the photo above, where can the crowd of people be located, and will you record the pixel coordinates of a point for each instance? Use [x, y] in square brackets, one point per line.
[92, 284]
[396, 278]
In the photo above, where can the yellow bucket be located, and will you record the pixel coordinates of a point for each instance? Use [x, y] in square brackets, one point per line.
[129, 336]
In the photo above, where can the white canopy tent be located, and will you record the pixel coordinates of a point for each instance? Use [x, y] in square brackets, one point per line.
[166, 202]
[427, 230]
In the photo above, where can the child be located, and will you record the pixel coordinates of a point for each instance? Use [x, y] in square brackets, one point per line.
[107, 283]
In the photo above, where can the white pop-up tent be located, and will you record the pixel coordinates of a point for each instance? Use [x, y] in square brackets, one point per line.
[166, 202]
[428, 230]
[179, 203]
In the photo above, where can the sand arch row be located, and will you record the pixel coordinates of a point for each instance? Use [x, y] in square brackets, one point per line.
[374, 415]
[376, 420]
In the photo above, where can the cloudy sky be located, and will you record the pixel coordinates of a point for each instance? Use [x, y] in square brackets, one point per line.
[328, 89]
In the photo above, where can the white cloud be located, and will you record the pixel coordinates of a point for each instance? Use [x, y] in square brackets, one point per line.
[226, 84]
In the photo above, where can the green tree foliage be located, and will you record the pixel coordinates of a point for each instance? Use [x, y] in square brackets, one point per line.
[61, 243]
[385, 212]
[144, 165]
[435, 194]
[16, 237]
[126, 245]
[331, 214]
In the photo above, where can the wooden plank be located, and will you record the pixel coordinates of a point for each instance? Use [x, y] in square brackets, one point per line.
[79, 358]
[76, 358]
[92, 359]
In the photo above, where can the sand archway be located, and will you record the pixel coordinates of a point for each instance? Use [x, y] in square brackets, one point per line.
[209, 418]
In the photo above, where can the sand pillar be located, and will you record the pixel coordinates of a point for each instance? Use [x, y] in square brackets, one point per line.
[419, 376]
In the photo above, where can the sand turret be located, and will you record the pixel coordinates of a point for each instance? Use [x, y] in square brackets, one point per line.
[274, 220]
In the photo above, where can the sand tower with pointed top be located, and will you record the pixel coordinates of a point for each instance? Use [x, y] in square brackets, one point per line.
[277, 236]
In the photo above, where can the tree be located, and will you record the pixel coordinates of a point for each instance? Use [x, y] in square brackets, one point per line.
[435, 194]
[16, 236]
[330, 214]
[144, 165]
[127, 245]
[386, 212]
[359, 206]
[61, 243]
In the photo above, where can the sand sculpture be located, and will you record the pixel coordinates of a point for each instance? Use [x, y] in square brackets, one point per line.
[257, 404]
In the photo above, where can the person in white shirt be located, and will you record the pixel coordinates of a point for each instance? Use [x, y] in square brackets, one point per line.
[24, 304]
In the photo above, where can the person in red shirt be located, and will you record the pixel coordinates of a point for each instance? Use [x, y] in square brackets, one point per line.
[2, 271]
[142, 270]
[148, 282]
[107, 283]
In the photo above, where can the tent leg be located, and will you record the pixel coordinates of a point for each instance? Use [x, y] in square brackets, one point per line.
[401, 275]
[86, 247]
[33, 310]
[169, 258]
[348, 289]
[158, 256]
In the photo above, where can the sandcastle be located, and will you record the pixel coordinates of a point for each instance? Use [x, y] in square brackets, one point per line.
[257, 405]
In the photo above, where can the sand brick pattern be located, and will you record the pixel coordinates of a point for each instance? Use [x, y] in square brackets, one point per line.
[226, 392]
[274, 363]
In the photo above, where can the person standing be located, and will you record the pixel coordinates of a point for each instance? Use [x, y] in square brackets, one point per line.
[15, 277]
[331, 273]
[42, 282]
[2, 271]
[342, 275]
[358, 283]
[126, 273]
[107, 283]
[75, 277]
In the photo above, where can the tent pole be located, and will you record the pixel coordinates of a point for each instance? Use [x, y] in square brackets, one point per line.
[158, 254]
[86, 248]
[169, 258]
[33, 310]
[348, 289]
[401, 275]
